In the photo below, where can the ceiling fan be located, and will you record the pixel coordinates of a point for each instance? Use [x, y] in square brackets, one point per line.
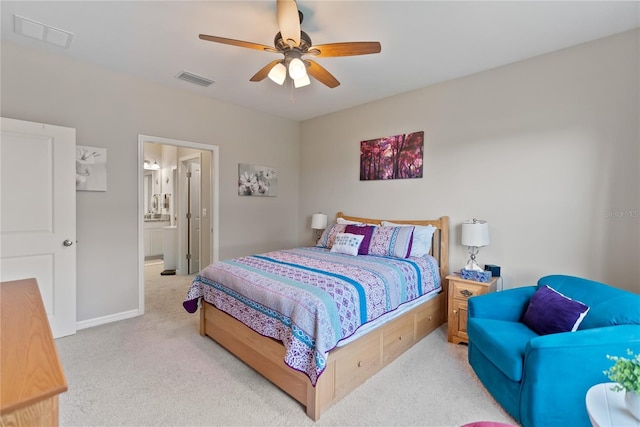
[294, 43]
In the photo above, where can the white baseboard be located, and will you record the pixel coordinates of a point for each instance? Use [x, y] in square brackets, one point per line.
[84, 324]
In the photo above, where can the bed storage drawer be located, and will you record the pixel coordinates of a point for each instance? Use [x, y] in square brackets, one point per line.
[398, 338]
[430, 316]
[353, 368]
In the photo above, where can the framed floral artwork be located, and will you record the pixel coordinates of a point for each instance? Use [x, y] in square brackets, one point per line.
[91, 168]
[392, 157]
[256, 180]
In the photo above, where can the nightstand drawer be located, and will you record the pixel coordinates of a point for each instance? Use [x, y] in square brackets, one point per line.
[465, 291]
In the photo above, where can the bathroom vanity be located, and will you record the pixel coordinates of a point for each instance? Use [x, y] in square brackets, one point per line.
[153, 235]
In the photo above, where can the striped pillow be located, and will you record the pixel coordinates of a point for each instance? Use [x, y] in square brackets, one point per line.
[391, 241]
[329, 235]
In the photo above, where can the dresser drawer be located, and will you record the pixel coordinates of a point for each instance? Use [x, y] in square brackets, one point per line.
[463, 290]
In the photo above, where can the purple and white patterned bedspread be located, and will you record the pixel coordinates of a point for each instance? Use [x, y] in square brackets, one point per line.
[309, 298]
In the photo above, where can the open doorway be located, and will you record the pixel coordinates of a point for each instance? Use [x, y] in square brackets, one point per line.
[178, 219]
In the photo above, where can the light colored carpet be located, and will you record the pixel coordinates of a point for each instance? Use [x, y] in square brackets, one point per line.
[157, 370]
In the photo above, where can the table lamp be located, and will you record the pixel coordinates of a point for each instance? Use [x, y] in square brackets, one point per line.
[475, 234]
[318, 223]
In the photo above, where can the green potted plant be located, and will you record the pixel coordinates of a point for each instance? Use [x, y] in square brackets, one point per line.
[626, 373]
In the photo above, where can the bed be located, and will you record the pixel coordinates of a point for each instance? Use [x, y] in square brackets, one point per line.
[299, 345]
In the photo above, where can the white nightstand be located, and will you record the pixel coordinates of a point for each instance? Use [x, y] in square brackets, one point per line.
[606, 407]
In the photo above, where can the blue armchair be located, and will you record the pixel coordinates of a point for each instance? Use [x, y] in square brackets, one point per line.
[542, 380]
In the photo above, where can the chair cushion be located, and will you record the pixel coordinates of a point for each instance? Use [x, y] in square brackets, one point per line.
[502, 342]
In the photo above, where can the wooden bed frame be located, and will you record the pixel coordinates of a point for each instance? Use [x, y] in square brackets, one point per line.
[347, 366]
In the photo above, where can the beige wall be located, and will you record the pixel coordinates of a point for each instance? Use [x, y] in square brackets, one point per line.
[110, 109]
[546, 150]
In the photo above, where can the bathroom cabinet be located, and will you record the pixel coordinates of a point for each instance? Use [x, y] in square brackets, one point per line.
[153, 238]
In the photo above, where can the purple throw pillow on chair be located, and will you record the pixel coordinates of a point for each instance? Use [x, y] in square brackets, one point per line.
[550, 312]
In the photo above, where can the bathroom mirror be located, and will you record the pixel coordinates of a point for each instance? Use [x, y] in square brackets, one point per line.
[152, 192]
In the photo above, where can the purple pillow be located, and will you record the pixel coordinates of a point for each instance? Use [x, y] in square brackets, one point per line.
[550, 312]
[363, 230]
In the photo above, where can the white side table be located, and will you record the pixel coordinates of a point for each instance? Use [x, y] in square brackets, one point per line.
[606, 407]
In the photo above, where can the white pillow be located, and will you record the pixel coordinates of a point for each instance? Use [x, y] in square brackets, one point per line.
[347, 243]
[422, 237]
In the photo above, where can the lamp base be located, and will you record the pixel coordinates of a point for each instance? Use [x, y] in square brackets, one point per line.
[473, 266]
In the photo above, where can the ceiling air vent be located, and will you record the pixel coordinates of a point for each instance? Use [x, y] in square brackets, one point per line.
[39, 31]
[194, 78]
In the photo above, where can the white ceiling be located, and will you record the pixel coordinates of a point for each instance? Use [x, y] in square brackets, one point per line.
[423, 42]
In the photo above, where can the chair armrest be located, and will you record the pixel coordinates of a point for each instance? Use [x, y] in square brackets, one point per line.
[559, 369]
[507, 305]
[579, 341]
[583, 352]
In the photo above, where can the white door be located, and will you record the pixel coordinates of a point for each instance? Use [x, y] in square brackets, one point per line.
[189, 214]
[194, 223]
[38, 214]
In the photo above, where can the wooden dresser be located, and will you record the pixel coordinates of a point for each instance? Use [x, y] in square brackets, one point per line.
[31, 376]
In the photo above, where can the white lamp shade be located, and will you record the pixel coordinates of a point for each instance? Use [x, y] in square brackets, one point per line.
[278, 73]
[319, 221]
[302, 81]
[297, 69]
[475, 233]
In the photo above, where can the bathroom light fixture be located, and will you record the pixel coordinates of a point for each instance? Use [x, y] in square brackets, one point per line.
[151, 166]
[475, 234]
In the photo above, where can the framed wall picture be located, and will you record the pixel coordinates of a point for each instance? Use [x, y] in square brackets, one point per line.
[254, 180]
[91, 168]
[392, 157]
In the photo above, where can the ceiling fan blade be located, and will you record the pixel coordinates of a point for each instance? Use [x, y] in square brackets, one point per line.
[345, 49]
[289, 22]
[321, 74]
[264, 71]
[235, 42]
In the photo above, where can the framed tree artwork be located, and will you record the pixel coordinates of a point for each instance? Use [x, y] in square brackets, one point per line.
[392, 157]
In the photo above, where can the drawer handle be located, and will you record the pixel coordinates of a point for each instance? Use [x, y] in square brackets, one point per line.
[466, 293]
[400, 338]
[360, 364]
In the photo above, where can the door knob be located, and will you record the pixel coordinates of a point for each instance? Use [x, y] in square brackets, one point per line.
[67, 242]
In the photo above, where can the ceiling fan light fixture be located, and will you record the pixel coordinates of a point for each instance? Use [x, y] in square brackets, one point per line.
[278, 73]
[297, 69]
[302, 81]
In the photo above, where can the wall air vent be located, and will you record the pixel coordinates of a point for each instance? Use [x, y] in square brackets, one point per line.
[194, 78]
